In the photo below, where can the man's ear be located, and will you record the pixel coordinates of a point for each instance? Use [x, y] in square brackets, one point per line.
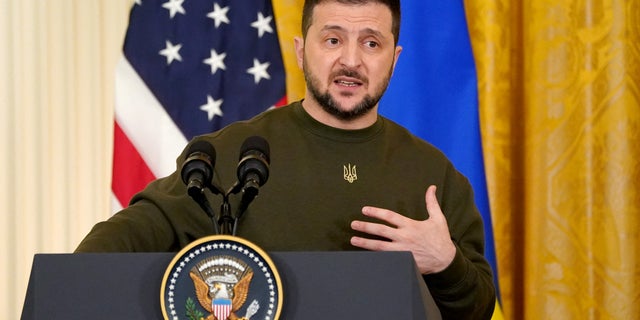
[298, 42]
[396, 56]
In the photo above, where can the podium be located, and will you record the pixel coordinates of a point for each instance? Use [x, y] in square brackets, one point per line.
[316, 285]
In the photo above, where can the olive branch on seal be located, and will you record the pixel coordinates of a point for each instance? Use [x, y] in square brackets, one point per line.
[192, 312]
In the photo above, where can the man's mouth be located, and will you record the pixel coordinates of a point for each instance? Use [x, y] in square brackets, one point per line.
[347, 82]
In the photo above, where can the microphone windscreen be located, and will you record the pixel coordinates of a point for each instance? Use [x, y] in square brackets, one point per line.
[256, 143]
[203, 147]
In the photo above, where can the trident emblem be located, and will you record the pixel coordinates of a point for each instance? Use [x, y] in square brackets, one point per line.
[350, 173]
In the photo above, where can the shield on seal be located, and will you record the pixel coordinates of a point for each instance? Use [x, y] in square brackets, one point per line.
[221, 308]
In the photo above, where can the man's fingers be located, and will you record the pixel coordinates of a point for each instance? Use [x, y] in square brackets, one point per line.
[376, 229]
[433, 207]
[388, 216]
[373, 245]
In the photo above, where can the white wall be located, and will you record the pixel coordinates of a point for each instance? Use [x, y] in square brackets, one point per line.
[57, 61]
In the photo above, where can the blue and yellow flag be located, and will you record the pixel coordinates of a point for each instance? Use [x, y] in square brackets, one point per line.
[434, 94]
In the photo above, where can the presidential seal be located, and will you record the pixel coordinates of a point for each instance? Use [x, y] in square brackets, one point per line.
[221, 278]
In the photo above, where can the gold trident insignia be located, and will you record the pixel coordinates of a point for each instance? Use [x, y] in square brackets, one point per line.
[350, 173]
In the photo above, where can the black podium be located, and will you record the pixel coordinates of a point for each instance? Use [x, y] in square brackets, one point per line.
[316, 285]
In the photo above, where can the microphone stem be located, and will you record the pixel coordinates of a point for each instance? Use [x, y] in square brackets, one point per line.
[202, 201]
[216, 228]
[235, 226]
[226, 221]
[249, 192]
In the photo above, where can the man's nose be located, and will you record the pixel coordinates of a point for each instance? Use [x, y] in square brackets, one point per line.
[351, 55]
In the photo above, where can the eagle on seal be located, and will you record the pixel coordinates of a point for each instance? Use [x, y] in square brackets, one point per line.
[219, 291]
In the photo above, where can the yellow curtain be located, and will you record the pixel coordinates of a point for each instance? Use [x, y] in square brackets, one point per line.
[560, 111]
[288, 20]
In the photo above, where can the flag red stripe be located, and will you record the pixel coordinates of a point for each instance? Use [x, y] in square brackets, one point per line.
[130, 172]
[282, 102]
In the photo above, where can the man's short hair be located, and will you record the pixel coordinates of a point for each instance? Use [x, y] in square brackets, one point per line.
[393, 5]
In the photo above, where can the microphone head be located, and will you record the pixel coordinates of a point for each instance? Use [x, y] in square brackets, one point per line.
[254, 160]
[203, 147]
[255, 143]
[200, 159]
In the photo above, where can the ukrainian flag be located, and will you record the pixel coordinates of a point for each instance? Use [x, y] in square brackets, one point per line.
[433, 93]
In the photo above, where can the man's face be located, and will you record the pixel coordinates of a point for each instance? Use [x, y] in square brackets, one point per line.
[348, 57]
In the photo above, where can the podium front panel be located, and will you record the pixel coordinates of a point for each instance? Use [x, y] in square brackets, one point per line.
[316, 285]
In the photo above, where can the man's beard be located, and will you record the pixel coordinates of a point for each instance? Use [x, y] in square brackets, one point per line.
[331, 106]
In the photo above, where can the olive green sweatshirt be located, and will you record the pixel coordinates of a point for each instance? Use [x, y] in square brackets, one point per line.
[320, 177]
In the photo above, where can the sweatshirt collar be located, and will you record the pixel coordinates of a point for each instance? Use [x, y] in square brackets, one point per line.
[316, 127]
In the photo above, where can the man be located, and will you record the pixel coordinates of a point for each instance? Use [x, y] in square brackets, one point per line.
[341, 176]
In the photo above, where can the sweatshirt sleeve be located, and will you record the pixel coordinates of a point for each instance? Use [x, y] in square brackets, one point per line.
[465, 289]
[138, 228]
[161, 218]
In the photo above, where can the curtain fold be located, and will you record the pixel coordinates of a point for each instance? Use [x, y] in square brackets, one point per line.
[560, 113]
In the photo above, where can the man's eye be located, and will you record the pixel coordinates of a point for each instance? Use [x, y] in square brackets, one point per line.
[332, 41]
[371, 44]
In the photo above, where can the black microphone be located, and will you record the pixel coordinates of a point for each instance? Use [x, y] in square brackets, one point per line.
[197, 172]
[197, 169]
[253, 172]
[253, 167]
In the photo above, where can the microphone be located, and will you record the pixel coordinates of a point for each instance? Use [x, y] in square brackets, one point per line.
[197, 172]
[253, 166]
[197, 169]
[253, 171]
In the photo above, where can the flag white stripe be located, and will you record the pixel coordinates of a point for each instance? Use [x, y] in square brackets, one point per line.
[145, 122]
[115, 203]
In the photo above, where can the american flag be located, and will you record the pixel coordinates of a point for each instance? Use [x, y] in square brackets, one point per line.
[189, 68]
